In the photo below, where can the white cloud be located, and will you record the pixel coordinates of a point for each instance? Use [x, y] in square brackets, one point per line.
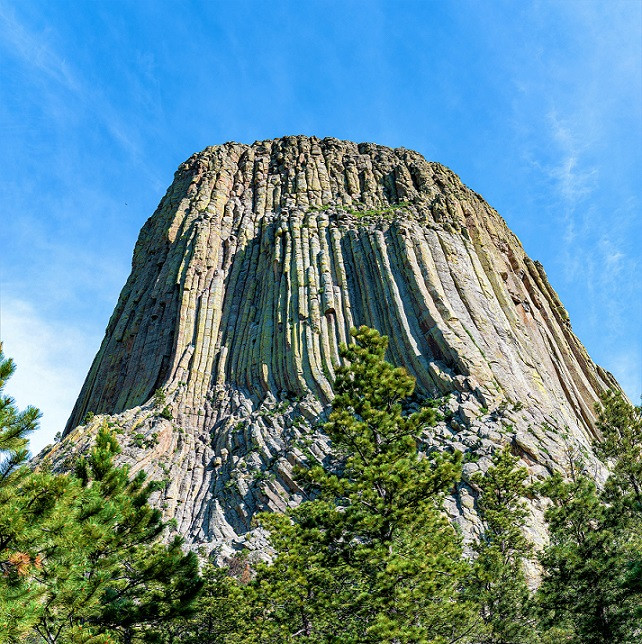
[574, 180]
[52, 359]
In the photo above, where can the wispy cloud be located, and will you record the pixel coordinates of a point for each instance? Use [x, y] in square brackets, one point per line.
[52, 359]
[574, 180]
[596, 255]
[36, 51]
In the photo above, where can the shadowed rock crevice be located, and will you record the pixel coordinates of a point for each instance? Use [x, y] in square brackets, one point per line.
[254, 267]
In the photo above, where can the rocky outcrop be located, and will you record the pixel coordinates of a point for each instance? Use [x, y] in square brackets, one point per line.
[250, 274]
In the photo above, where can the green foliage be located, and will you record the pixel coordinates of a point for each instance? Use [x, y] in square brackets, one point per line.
[138, 440]
[319, 208]
[620, 424]
[592, 585]
[15, 426]
[372, 557]
[582, 588]
[222, 612]
[498, 581]
[79, 553]
[159, 401]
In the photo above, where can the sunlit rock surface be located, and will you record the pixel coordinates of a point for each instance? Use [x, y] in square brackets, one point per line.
[249, 275]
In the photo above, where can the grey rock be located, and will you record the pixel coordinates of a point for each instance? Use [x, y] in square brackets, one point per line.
[256, 263]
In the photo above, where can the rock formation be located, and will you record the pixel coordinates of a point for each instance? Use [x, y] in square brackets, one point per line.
[249, 275]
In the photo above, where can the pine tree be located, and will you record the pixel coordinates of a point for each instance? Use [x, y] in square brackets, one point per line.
[498, 581]
[115, 578]
[221, 612]
[79, 552]
[581, 589]
[372, 558]
[19, 555]
[620, 425]
[591, 584]
[15, 426]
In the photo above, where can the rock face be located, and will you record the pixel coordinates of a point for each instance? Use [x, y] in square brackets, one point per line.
[249, 275]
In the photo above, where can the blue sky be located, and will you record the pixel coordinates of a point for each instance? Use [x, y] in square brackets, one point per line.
[536, 105]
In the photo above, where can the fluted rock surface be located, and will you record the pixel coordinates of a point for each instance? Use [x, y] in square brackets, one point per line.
[250, 274]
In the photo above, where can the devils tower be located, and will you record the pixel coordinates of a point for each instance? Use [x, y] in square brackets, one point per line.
[218, 360]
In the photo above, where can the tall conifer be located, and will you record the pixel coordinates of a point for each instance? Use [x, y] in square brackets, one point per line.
[372, 558]
[592, 584]
[499, 581]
